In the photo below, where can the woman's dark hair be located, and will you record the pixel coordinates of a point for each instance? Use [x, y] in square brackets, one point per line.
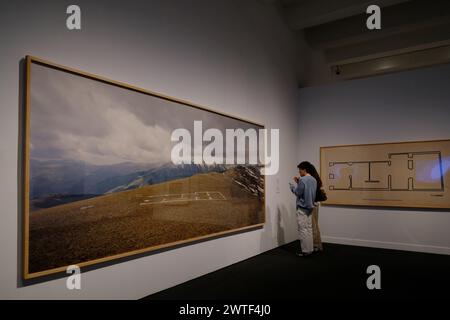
[309, 168]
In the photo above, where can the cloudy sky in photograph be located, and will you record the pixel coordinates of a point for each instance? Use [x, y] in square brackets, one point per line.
[76, 118]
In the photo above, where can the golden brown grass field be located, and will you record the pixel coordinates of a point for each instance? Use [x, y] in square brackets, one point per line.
[122, 222]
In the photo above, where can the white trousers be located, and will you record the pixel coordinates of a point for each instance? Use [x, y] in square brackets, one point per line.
[305, 232]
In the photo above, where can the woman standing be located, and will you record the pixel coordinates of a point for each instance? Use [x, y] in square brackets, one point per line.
[305, 190]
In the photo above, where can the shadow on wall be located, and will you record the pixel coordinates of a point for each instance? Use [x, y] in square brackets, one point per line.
[20, 172]
[277, 227]
[286, 224]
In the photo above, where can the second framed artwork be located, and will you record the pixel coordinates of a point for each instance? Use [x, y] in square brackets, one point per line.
[99, 183]
[403, 174]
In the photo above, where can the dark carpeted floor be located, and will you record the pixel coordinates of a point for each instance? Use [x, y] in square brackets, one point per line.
[337, 273]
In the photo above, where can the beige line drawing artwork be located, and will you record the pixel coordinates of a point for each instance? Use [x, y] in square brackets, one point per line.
[410, 174]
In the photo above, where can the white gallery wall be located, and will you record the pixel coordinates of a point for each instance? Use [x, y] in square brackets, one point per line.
[407, 106]
[232, 56]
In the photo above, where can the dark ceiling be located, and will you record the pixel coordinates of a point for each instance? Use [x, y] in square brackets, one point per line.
[338, 29]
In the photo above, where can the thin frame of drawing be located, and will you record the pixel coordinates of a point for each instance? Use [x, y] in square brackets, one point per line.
[331, 203]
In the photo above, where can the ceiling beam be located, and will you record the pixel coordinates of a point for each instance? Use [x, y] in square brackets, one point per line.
[395, 63]
[303, 14]
[408, 41]
[397, 19]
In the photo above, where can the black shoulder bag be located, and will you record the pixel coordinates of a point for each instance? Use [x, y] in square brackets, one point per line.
[321, 195]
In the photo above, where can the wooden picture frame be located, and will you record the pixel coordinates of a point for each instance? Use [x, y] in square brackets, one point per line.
[82, 206]
[412, 174]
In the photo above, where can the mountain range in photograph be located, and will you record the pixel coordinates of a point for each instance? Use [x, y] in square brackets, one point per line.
[55, 182]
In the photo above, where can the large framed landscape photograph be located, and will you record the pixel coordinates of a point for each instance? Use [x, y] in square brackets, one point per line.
[99, 183]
